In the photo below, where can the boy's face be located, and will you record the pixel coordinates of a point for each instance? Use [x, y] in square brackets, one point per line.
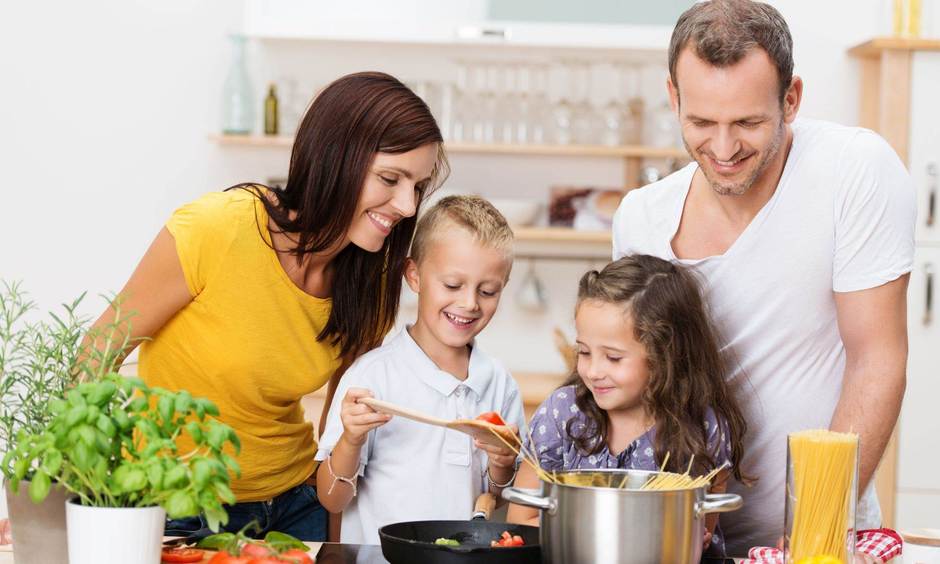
[458, 283]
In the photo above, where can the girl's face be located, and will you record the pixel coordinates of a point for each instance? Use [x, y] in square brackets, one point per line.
[390, 194]
[611, 362]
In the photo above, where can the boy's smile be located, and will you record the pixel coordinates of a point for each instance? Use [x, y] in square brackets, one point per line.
[459, 283]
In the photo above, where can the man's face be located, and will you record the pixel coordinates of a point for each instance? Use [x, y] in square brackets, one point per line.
[733, 123]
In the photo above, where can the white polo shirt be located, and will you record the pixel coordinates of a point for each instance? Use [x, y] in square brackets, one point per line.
[411, 471]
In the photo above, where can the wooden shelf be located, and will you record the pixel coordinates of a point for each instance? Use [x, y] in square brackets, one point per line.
[624, 151]
[561, 234]
[874, 47]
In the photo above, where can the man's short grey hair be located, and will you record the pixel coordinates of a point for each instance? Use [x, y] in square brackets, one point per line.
[722, 32]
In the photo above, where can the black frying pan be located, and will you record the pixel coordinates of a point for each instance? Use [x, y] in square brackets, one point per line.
[413, 541]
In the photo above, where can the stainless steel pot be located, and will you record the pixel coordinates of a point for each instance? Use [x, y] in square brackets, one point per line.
[627, 525]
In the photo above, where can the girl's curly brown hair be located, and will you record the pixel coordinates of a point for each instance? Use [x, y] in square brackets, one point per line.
[687, 369]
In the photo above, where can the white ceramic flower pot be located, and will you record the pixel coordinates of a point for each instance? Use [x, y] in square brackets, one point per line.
[114, 535]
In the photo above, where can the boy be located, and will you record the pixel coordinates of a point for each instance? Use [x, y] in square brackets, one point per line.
[408, 471]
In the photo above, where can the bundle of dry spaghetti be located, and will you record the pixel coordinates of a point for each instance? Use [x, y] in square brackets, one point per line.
[661, 481]
[821, 491]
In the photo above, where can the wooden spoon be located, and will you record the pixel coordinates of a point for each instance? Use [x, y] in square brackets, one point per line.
[481, 430]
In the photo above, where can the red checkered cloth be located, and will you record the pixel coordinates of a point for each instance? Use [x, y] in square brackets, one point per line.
[879, 545]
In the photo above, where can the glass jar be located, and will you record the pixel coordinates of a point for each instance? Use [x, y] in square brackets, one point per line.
[821, 495]
[238, 105]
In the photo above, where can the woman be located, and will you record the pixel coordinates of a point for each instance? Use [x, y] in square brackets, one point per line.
[255, 297]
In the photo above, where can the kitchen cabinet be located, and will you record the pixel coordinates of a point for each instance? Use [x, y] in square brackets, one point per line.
[900, 87]
[638, 26]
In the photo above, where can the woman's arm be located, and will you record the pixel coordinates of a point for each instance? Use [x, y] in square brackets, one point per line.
[343, 461]
[154, 293]
[521, 514]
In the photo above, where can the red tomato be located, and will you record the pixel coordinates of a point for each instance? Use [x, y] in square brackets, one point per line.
[226, 558]
[267, 560]
[255, 550]
[508, 540]
[491, 417]
[181, 554]
[297, 556]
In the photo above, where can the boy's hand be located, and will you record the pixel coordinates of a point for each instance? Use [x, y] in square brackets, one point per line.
[358, 418]
[500, 456]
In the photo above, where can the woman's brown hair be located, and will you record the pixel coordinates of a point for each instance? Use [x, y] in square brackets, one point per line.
[687, 370]
[351, 120]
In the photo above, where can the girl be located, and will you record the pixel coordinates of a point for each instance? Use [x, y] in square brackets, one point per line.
[649, 381]
[255, 297]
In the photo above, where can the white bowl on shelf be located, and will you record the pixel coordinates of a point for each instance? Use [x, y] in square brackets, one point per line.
[518, 212]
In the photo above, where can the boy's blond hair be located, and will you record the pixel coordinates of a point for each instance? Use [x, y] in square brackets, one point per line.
[473, 213]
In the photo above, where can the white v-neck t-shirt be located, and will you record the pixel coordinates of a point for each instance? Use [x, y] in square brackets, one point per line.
[841, 219]
[412, 471]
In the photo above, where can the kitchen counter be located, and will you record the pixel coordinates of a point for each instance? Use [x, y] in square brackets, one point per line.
[325, 553]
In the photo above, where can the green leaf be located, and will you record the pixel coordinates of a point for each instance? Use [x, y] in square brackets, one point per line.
[20, 467]
[75, 398]
[87, 434]
[231, 464]
[102, 393]
[138, 404]
[217, 435]
[57, 406]
[39, 486]
[175, 477]
[82, 456]
[121, 419]
[93, 412]
[52, 461]
[105, 425]
[181, 504]
[233, 438]
[195, 431]
[130, 478]
[224, 493]
[220, 541]
[282, 542]
[184, 402]
[75, 415]
[201, 473]
[155, 476]
[208, 406]
[165, 408]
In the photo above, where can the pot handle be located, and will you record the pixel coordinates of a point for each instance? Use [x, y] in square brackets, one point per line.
[718, 503]
[529, 498]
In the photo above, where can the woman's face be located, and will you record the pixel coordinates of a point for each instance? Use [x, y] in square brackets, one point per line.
[611, 362]
[390, 193]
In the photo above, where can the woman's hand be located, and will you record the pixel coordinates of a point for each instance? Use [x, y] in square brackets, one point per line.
[6, 532]
[358, 418]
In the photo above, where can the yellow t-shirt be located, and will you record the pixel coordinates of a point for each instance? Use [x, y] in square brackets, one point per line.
[247, 341]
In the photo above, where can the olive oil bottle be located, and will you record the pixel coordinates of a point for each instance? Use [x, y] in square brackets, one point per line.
[270, 112]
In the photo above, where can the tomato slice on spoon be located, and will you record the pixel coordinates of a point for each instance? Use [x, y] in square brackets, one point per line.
[491, 417]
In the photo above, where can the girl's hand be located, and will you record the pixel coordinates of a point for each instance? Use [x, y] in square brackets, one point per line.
[500, 456]
[358, 418]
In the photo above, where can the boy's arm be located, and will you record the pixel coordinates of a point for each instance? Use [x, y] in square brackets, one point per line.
[339, 469]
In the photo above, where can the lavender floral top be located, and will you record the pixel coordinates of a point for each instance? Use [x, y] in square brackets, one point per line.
[557, 451]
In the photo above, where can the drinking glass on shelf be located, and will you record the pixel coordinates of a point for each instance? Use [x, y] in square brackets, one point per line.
[632, 104]
[563, 111]
[540, 107]
[582, 115]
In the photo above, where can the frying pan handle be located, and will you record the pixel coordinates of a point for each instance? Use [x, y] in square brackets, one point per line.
[529, 499]
[717, 503]
[484, 506]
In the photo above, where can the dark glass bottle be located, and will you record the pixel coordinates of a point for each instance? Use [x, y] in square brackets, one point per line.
[270, 112]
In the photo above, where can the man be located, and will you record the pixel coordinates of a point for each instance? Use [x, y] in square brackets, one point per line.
[803, 234]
